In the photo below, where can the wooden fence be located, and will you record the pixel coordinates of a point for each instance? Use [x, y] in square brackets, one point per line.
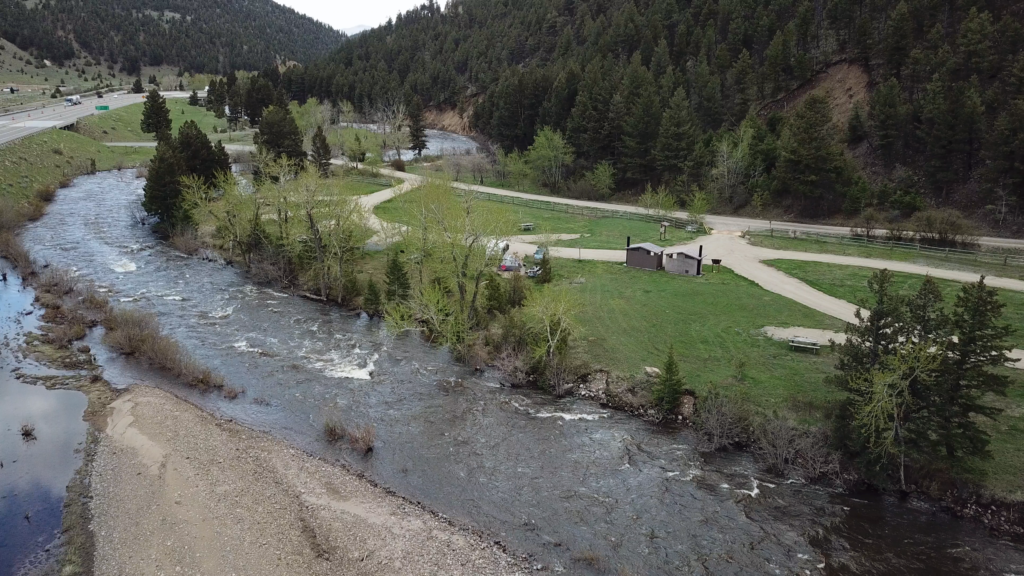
[1006, 258]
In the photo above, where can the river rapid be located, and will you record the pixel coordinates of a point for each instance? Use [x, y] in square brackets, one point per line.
[578, 488]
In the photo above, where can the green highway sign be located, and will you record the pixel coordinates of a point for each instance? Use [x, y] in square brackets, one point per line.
[103, 107]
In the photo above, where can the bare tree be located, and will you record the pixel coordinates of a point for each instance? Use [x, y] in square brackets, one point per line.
[389, 115]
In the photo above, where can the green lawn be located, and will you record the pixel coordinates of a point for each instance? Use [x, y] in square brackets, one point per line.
[609, 233]
[436, 170]
[882, 253]
[1004, 473]
[45, 158]
[630, 317]
[123, 124]
[850, 283]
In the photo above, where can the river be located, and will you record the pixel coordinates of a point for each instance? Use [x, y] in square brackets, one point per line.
[577, 487]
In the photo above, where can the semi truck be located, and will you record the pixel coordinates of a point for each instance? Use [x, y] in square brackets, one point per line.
[72, 100]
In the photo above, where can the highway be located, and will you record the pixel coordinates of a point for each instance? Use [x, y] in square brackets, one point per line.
[17, 125]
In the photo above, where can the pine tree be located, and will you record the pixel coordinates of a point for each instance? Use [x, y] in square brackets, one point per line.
[198, 154]
[1004, 153]
[856, 128]
[320, 152]
[373, 303]
[156, 117]
[235, 109]
[193, 98]
[887, 117]
[897, 39]
[811, 164]
[279, 135]
[396, 281]
[137, 86]
[967, 373]
[495, 298]
[417, 129]
[678, 138]
[544, 277]
[668, 390]
[639, 111]
[163, 184]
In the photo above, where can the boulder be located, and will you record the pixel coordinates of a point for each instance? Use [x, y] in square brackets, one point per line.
[652, 372]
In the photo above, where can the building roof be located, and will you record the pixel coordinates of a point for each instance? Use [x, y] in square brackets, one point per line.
[689, 252]
[647, 246]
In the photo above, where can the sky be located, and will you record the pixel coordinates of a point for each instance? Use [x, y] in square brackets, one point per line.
[347, 15]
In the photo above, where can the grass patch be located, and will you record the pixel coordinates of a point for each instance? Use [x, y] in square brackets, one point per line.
[631, 316]
[850, 283]
[607, 233]
[123, 124]
[42, 161]
[881, 253]
[436, 170]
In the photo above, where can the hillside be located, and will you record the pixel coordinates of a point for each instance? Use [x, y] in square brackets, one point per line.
[668, 92]
[212, 36]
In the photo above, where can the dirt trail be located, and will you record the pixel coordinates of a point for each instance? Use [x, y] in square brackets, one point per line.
[177, 491]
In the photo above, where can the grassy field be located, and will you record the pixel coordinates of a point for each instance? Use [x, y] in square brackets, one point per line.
[609, 233]
[882, 253]
[630, 317]
[437, 170]
[48, 157]
[850, 283]
[123, 124]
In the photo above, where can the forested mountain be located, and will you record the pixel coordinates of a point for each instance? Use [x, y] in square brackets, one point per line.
[668, 91]
[197, 35]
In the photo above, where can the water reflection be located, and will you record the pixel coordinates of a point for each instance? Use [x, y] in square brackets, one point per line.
[35, 471]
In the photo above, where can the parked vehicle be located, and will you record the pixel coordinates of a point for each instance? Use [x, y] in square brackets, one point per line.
[510, 263]
[539, 253]
[72, 100]
[533, 272]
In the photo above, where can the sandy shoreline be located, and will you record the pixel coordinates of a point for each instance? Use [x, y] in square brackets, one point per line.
[177, 491]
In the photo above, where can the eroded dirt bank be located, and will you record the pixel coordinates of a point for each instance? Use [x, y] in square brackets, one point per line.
[177, 491]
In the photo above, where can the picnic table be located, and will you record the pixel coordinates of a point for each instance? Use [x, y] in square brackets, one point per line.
[527, 226]
[801, 343]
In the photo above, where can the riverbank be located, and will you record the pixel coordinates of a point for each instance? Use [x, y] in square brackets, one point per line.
[175, 489]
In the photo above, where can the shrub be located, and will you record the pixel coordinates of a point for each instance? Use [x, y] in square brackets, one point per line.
[11, 214]
[361, 439]
[12, 250]
[45, 193]
[943, 227]
[58, 281]
[231, 393]
[34, 209]
[334, 431]
[63, 335]
[136, 333]
[398, 164]
[28, 432]
[185, 239]
[720, 421]
[777, 442]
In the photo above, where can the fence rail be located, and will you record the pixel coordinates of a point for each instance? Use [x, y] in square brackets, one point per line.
[586, 211]
[1004, 258]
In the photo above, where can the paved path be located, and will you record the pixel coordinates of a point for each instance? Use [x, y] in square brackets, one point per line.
[723, 223]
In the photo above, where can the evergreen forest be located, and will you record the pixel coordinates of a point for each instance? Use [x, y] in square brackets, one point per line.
[211, 36]
[713, 94]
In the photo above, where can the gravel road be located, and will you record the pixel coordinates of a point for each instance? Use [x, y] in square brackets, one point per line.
[177, 491]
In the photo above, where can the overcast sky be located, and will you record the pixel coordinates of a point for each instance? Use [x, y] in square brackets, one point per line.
[345, 15]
